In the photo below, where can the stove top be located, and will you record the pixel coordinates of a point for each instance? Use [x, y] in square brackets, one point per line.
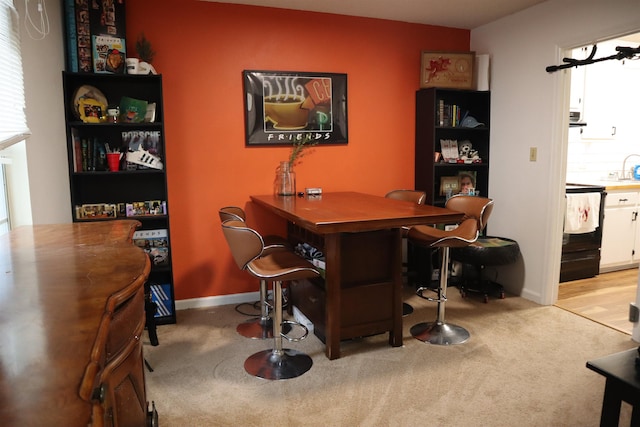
[584, 188]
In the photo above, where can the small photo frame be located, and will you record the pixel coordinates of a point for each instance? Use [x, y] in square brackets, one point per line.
[467, 181]
[449, 183]
[447, 69]
[91, 111]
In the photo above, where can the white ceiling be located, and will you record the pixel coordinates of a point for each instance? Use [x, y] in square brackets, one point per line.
[467, 14]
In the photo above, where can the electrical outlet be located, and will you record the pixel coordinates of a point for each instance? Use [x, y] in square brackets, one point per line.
[533, 154]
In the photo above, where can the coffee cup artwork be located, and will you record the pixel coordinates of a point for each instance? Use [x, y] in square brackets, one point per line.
[285, 112]
[282, 107]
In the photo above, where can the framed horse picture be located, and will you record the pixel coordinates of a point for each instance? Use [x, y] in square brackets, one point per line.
[447, 69]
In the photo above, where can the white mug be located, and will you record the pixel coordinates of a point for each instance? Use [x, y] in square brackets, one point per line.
[132, 65]
[145, 68]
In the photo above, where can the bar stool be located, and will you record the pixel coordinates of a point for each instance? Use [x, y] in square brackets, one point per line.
[417, 197]
[477, 211]
[258, 327]
[247, 248]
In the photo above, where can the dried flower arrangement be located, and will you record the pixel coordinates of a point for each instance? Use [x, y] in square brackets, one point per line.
[144, 49]
[300, 148]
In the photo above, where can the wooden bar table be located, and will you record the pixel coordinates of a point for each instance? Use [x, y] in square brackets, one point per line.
[71, 319]
[361, 238]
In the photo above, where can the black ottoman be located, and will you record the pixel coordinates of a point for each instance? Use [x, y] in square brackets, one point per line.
[486, 251]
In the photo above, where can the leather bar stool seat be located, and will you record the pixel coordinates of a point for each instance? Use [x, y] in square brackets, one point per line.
[477, 211]
[247, 249]
[259, 327]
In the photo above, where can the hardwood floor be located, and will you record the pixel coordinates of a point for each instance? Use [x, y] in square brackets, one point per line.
[604, 299]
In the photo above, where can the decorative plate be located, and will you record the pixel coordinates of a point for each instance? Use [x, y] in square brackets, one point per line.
[87, 92]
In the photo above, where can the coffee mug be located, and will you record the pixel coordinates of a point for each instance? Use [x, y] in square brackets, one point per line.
[132, 65]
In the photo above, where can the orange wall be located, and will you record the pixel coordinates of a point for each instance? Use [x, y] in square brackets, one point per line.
[202, 49]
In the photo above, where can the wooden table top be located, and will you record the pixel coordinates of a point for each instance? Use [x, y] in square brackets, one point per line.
[352, 211]
[54, 287]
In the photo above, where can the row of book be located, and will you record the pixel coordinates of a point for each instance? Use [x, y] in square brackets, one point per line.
[449, 115]
[118, 210]
[90, 153]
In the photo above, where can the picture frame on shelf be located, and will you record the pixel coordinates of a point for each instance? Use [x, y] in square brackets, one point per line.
[91, 110]
[464, 177]
[281, 107]
[447, 69]
[449, 183]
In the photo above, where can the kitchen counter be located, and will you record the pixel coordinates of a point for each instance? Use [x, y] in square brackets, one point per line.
[612, 185]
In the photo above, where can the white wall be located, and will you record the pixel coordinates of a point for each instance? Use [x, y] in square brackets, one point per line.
[46, 152]
[528, 110]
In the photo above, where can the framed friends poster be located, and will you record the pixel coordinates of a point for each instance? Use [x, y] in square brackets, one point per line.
[284, 106]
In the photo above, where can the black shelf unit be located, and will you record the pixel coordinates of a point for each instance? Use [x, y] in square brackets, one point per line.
[123, 186]
[429, 132]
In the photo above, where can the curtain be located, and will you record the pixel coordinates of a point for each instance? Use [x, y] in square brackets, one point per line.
[13, 123]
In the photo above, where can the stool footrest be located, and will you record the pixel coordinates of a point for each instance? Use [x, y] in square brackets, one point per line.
[290, 339]
[424, 288]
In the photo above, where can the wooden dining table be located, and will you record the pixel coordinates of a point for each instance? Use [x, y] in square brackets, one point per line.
[360, 236]
[71, 320]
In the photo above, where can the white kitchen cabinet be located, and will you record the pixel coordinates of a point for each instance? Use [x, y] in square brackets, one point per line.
[620, 233]
[600, 91]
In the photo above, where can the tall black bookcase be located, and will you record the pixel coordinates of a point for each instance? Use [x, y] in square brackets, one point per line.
[436, 121]
[135, 190]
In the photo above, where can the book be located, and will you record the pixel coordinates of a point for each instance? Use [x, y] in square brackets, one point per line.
[155, 243]
[449, 149]
[77, 150]
[95, 211]
[161, 294]
[149, 207]
[71, 35]
[109, 54]
[144, 149]
[132, 110]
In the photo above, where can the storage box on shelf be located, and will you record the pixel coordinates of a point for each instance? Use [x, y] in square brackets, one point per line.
[446, 147]
[135, 185]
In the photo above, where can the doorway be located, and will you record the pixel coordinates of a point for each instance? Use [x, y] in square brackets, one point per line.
[600, 138]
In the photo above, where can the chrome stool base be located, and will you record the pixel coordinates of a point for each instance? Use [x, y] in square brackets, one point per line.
[271, 365]
[258, 328]
[440, 333]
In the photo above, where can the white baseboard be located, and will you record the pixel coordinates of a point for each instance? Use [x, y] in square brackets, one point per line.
[185, 304]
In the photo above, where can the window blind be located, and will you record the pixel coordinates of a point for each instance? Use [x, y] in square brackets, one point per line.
[13, 123]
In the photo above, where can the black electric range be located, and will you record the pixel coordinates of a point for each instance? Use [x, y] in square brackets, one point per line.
[581, 252]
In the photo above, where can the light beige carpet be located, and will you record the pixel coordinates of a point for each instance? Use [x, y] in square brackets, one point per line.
[524, 365]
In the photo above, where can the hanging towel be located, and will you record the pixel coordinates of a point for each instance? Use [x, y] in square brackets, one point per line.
[583, 213]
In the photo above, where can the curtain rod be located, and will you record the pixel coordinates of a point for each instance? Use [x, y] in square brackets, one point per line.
[623, 52]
